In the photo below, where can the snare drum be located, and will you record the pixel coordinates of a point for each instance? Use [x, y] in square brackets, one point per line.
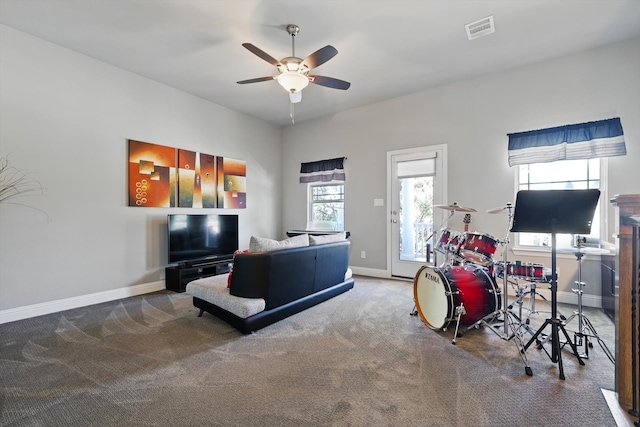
[478, 247]
[528, 271]
[449, 242]
[438, 292]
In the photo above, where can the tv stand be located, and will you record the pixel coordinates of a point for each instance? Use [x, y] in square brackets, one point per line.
[177, 277]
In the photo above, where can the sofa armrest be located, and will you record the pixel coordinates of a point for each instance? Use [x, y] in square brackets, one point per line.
[250, 278]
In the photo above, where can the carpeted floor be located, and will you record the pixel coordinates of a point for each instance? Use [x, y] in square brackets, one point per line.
[358, 359]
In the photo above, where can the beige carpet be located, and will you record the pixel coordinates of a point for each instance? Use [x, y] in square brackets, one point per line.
[358, 359]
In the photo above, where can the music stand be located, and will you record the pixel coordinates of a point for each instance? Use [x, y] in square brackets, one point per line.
[555, 211]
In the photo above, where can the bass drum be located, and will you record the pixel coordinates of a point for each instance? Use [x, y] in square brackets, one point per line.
[438, 292]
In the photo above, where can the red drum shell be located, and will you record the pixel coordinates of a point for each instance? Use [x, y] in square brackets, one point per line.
[478, 247]
[526, 271]
[449, 242]
[437, 293]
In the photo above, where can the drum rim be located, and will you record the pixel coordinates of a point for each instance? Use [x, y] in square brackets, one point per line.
[449, 297]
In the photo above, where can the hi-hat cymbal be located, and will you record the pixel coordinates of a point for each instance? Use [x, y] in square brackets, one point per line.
[455, 207]
[500, 209]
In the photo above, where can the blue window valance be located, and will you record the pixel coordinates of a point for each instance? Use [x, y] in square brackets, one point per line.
[323, 170]
[603, 138]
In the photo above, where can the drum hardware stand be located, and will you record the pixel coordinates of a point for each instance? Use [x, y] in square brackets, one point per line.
[585, 328]
[460, 311]
[555, 211]
[520, 294]
[532, 304]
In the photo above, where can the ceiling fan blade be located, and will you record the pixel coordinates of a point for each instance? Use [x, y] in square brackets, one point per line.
[320, 56]
[256, 80]
[329, 82]
[261, 53]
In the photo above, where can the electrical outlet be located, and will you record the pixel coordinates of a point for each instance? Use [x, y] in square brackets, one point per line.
[363, 254]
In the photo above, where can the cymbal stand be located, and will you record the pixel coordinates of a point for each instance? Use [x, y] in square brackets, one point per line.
[448, 253]
[505, 251]
[585, 327]
[511, 326]
[508, 321]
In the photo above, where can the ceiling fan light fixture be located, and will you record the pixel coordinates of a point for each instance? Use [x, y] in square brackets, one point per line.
[295, 97]
[291, 63]
[292, 81]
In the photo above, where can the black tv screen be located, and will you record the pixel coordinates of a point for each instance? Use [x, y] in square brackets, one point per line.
[200, 237]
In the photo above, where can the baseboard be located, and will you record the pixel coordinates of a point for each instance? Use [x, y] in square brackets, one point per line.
[28, 311]
[371, 272]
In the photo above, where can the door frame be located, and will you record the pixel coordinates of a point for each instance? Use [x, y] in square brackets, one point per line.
[439, 196]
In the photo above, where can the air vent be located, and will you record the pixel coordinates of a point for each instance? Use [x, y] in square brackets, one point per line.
[480, 28]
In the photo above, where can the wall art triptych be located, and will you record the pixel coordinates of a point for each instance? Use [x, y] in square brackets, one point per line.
[161, 176]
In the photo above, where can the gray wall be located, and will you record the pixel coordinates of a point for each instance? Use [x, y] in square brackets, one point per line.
[473, 118]
[66, 118]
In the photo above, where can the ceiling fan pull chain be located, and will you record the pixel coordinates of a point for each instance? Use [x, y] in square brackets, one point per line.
[291, 111]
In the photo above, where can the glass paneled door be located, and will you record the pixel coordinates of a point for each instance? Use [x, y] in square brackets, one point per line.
[416, 185]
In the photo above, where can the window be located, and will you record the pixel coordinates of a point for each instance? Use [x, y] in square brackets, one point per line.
[560, 175]
[326, 207]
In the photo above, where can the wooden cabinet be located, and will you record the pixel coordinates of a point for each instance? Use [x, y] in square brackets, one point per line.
[608, 285]
[177, 277]
[628, 305]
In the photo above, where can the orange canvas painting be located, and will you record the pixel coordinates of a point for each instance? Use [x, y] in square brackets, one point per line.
[232, 183]
[196, 180]
[152, 172]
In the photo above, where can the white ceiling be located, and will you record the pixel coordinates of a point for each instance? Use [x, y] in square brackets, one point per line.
[386, 48]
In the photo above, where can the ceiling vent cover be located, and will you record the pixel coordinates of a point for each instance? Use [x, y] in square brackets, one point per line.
[480, 28]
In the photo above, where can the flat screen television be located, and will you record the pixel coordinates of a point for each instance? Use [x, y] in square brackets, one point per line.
[194, 238]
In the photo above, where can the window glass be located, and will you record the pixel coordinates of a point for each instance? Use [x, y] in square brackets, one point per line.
[326, 210]
[560, 175]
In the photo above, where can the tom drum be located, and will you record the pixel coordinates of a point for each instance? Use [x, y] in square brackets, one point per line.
[478, 247]
[449, 241]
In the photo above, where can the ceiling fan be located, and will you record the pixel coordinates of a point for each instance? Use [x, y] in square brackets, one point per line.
[293, 72]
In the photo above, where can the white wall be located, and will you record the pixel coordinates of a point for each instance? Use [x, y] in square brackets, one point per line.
[66, 118]
[473, 118]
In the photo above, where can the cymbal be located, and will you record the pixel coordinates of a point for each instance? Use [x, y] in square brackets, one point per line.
[455, 207]
[500, 209]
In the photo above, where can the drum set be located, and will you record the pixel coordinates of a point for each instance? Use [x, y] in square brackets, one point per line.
[463, 290]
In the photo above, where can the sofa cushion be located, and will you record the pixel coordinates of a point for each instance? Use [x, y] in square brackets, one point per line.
[214, 290]
[262, 244]
[327, 238]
